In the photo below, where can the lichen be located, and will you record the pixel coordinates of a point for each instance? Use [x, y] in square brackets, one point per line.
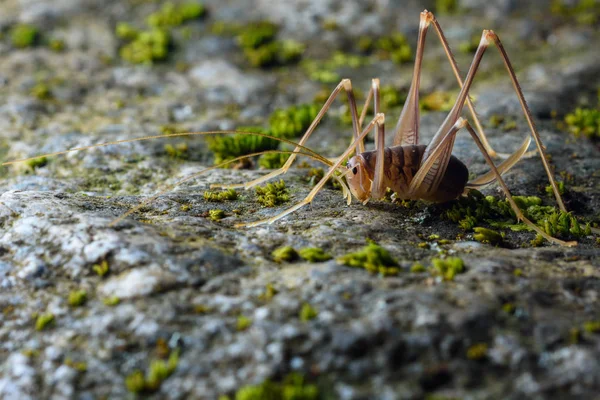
[225, 195]
[373, 258]
[308, 312]
[77, 298]
[284, 254]
[293, 387]
[43, 321]
[23, 35]
[272, 194]
[314, 254]
[447, 268]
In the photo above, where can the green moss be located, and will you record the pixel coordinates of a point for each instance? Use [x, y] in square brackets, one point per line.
[171, 15]
[43, 321]
[258, 43]
[446, 6]
[148, 47]
[23, 35]
[111, 301]
[485, 235]
[227, 147]
[314, 254]
[437, 101]
[584, 121]
[57, 45]
[292, 388]
[269, 292]
[592, 326]
[325, 71]
[76, 365]
[272, 194]
[256, 34]
[417, 268]
[448, 268]
[477, 352]
[37, 162]
[394, 47]
[373, 258]
[42, 91]
[308, 312]
[243, 323]
[475, 208]
[273, 160]
[561, 188]
[284, 254]
[293, 121]
[180, 150]
[226, 195]
[157, 373]
[124, 30]
[216, 214]
[77, 298]
[584, 12]
[102, 268]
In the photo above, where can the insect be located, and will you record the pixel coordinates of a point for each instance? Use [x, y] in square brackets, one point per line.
[410, 169]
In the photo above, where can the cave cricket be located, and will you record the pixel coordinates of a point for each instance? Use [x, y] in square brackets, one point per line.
[411, 170]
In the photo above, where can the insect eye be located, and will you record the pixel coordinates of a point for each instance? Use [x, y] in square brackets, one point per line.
[354, 170]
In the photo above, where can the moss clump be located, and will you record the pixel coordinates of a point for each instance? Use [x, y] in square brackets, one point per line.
[584, 121]
[394, 47]
[272, 194]
[37, 162]
[102, 268]
[269, 292]
[226, 195]
[23, 35]
[171, 15]
[243, 323]
[125, 31]
[308, 312]
[437, 101]
[77, 298]
[258, 43]
[216, 214]
[584, 12]
[446, 6]
[373, 258]
[293, 121]
[485, 235]
[325, 71]
[111, 301]
[157, 373]
[180, 150]
[43, 321]
[477, 351]
[314, 254]
[57, 45]
[293, 387]
[148, 47]
[284, 254]
[42, 91]
[273, 160]
[447, 268]
[228, 147]
[475, 208]
[592, 326]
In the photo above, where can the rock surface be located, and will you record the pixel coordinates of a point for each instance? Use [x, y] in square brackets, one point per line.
[518, 323]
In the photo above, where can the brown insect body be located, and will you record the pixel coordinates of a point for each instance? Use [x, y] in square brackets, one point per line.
[401, 163]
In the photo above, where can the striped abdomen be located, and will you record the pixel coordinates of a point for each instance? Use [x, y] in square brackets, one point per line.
[401, 165]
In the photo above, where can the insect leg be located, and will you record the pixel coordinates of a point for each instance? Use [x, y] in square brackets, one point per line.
[407, 128]
[528, 116]
[378, 120]
[346, 85]
[377, 187]
[452, 61]
[512, 203]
